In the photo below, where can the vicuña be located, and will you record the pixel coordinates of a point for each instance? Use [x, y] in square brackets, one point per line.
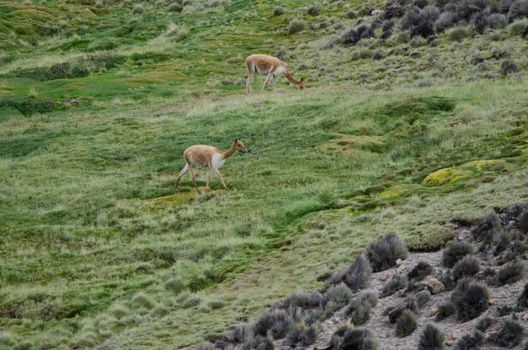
[270, 66]
[203, 156]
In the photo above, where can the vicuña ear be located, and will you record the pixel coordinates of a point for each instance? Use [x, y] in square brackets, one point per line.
[302, 79]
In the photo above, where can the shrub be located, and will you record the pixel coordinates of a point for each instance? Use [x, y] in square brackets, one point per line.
[522, 224]
[276, 322]
[509, 334]
[405, 324]
[160, 311]
[454, 252]
[485, 230]
[259, 342]
[142, 300]
[175, 285]
[518, 27]
[522, 301]
[175, 7]
[278, 11]
[239, 334]
[358, 339]
[192, 301]
[314, 10]
[377, 55]
[423, 298]
[511, 272]
[119, 311]
[503, 6]
[445, 310]
[432, 339]
[496, 20]
[410, 304]
[138, 9]
[296, 25]
[470, 342]
[518, 9]
[303, 300]
[28, 105]
[300, 335]
[484, 323]
[456, 33]
[446, 20]
[467, 267]
[467, 8]
[420, 271]
[338, 295]
[470, 299]
[421, 3]
[397, 282]
[501, 242]
[216, 304]
[359, 308]
[384, 253]
[356, 276]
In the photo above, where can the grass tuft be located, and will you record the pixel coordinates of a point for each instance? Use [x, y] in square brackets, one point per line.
[470, 299]
[405, 324]
[454, 252]
[431, 339]
[420, 271]
[384, 253]
[469, 266]
[397, 282]
[509, 334]
[470, 342]
[511, 272]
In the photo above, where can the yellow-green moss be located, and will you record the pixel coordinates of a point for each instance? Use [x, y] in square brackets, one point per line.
[446, 176]
[482, 165]
[393, 192]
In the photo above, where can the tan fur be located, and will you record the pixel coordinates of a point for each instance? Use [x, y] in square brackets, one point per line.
[270, 66]
[209, 157]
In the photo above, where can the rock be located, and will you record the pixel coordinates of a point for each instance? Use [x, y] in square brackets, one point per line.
[399, 262]
[453, 337]
[434, 310]
[434, 286]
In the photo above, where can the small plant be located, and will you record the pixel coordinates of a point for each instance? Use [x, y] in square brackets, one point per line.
[456, 33]
[446, 20]
[485, 230]
[192, 301]
[508, 66]
[356, 276]
[470, 342]
[142, 300]
[338, 295]
[522, 300]
[432, 339]
[277, 322]
[422, 298]
[355, 339]
[522, 224]
[467, 267]
[410, 304]
[384, 253]
[470, 299]
[454, 252]
[359, 308]
[302, 335]
[484, 323]
[296, 25]
[501, 242]
[397, 282]
[175, 7]
[216, 304]
[159, 311]
[445, 310]
[240, 334]
[278, 11]
[314, 10]
[518, 9]
[420, 271]
[511, 272]
[303, 300]
[509, 334]
[138, 9]
[405, 324]
[175, 285]
[259, 342]
[119, 311]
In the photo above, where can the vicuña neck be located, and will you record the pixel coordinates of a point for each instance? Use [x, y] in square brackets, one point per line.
[291, 79]
[229, 152]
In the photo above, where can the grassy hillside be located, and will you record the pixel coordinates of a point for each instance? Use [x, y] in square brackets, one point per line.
[97, 250]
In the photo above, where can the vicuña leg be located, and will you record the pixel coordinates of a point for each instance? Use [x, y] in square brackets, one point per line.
[266, 81]
[221, 178]
[208, 181]
[249, 82]
[274, 81]
[194, 179]
[181, 173]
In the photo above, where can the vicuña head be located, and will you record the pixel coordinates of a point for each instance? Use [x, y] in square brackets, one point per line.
[270, 66]
[209, 157]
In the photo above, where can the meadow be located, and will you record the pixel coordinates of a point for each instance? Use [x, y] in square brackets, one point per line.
[97, 251]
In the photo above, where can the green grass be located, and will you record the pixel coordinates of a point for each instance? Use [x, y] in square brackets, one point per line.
[97, 250]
